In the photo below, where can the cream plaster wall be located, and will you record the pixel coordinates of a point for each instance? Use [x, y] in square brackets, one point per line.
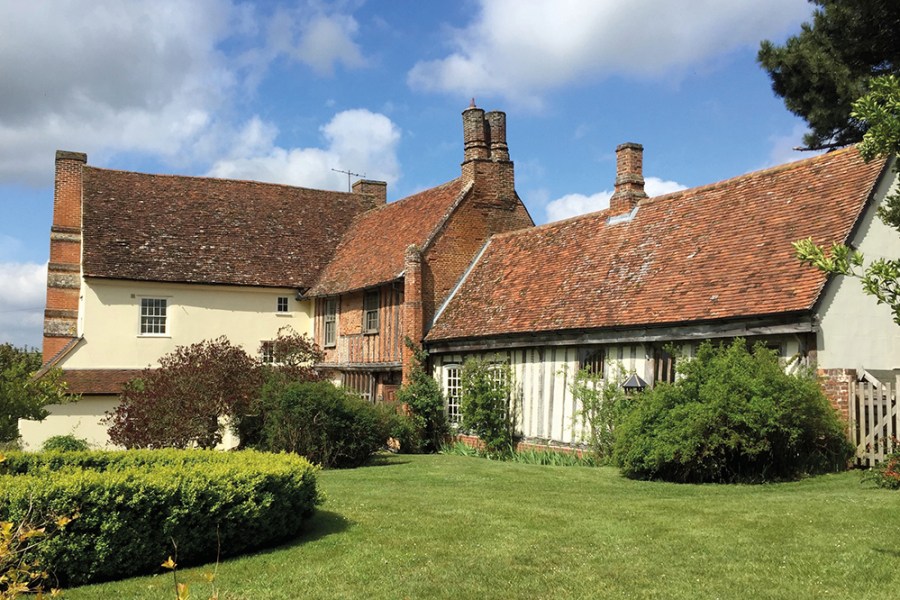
[110, 320]
[81, 419]
[855, 332]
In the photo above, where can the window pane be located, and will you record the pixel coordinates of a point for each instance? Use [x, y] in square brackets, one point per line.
[282, 304]
[453, 391]
[153, 316]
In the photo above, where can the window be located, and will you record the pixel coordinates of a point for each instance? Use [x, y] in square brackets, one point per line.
[594, 361]
[267, 353]
[330, 322]
[370, 312]
[360, 383]
[153, 316]
[453, 390]
[281, 305]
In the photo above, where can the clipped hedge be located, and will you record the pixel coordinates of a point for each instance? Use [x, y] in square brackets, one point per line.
[131, 505]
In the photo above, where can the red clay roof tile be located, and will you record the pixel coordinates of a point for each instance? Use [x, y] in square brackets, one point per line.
[205, 230]
[372, 250]
[716, 252]
[98, 381]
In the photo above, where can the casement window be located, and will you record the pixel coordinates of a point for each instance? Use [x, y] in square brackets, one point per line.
[370, 312]
[453, 392]
[281, 305]
[153, 316]
[267, 353]
[330, 322]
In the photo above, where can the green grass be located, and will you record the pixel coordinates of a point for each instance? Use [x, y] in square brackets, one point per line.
[458, 527]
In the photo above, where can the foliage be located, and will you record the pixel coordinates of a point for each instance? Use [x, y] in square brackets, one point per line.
[322, 422]
[22, 397]
[182, 403]
[733, 416]
[294, 356]
[821, 71]
[531, 456]
[132, 504]
[401, 429]
[486, 403]
[601, 405]
[65, 443]
[422, 394]
[880, 109]
[886, 474]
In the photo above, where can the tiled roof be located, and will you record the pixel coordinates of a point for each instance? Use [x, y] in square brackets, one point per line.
[372, 251]
[204, 230]
[98, 381]
[715, 252]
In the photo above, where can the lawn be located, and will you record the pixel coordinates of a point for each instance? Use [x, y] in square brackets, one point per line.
[458, 527]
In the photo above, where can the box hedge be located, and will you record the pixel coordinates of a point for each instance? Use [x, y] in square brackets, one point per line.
[130, 506]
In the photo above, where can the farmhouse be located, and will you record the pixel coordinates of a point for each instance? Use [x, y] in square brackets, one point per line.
[141, 263]
[622, 285]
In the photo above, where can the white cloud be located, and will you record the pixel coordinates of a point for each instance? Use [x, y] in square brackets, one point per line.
[784, 147]
[521, 49]
[144, 77]
[357, 140]
[572, 205]
[24, 288]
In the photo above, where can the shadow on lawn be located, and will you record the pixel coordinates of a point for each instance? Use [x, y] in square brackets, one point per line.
[894, 553]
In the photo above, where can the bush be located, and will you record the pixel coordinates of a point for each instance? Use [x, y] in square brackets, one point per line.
[886, 474]
[422, 394]
[129, 506]
[65, 443]
[733, 416]
[404, 429]
[602, 405]
[320, 421]
[485, 404]
[21, 396]
[181, 404]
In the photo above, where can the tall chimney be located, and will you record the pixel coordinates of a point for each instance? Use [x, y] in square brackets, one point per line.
[629, 178]
[64, 270]
[475, 134]
[497, 129]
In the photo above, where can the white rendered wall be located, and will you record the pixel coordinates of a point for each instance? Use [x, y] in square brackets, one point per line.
[81, 419]
[855, 332]
[110, 320]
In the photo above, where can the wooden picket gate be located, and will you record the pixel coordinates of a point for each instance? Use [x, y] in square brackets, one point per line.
[874, 424]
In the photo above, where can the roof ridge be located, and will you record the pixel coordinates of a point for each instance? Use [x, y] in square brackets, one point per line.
[222, 179]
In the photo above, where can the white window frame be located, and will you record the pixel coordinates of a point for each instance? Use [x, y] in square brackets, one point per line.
[452, 376]
[329, 330]
[282, 305]
[149, 317]
[267, 352]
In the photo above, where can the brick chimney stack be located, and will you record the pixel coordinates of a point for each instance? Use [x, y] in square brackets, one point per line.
[64, 270]
[486, 155]
[629, 188]
[376, 189]
[413, 318]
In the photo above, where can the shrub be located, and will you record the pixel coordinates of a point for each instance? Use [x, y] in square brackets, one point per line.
[602, 405]
[422, 394]
[320, 421]
[21, 396]
[485, 403]
[132, 505]
[181, 404]
[886, 474]
[65, 443]
[404, 429]
[733, 416]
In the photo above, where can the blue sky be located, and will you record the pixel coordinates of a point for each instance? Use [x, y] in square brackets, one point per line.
[288, 91]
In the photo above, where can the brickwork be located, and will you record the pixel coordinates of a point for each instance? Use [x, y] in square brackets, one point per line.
[413, 324]
[835, 383]
[376, 189]
[64, 270]
[629, 188]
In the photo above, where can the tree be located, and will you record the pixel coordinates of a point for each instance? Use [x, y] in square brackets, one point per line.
[180, 404]
[821, 71]
[22, 396]
[879, 110]
[422, 394]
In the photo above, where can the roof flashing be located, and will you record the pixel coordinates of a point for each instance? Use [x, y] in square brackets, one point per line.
[625, 218]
